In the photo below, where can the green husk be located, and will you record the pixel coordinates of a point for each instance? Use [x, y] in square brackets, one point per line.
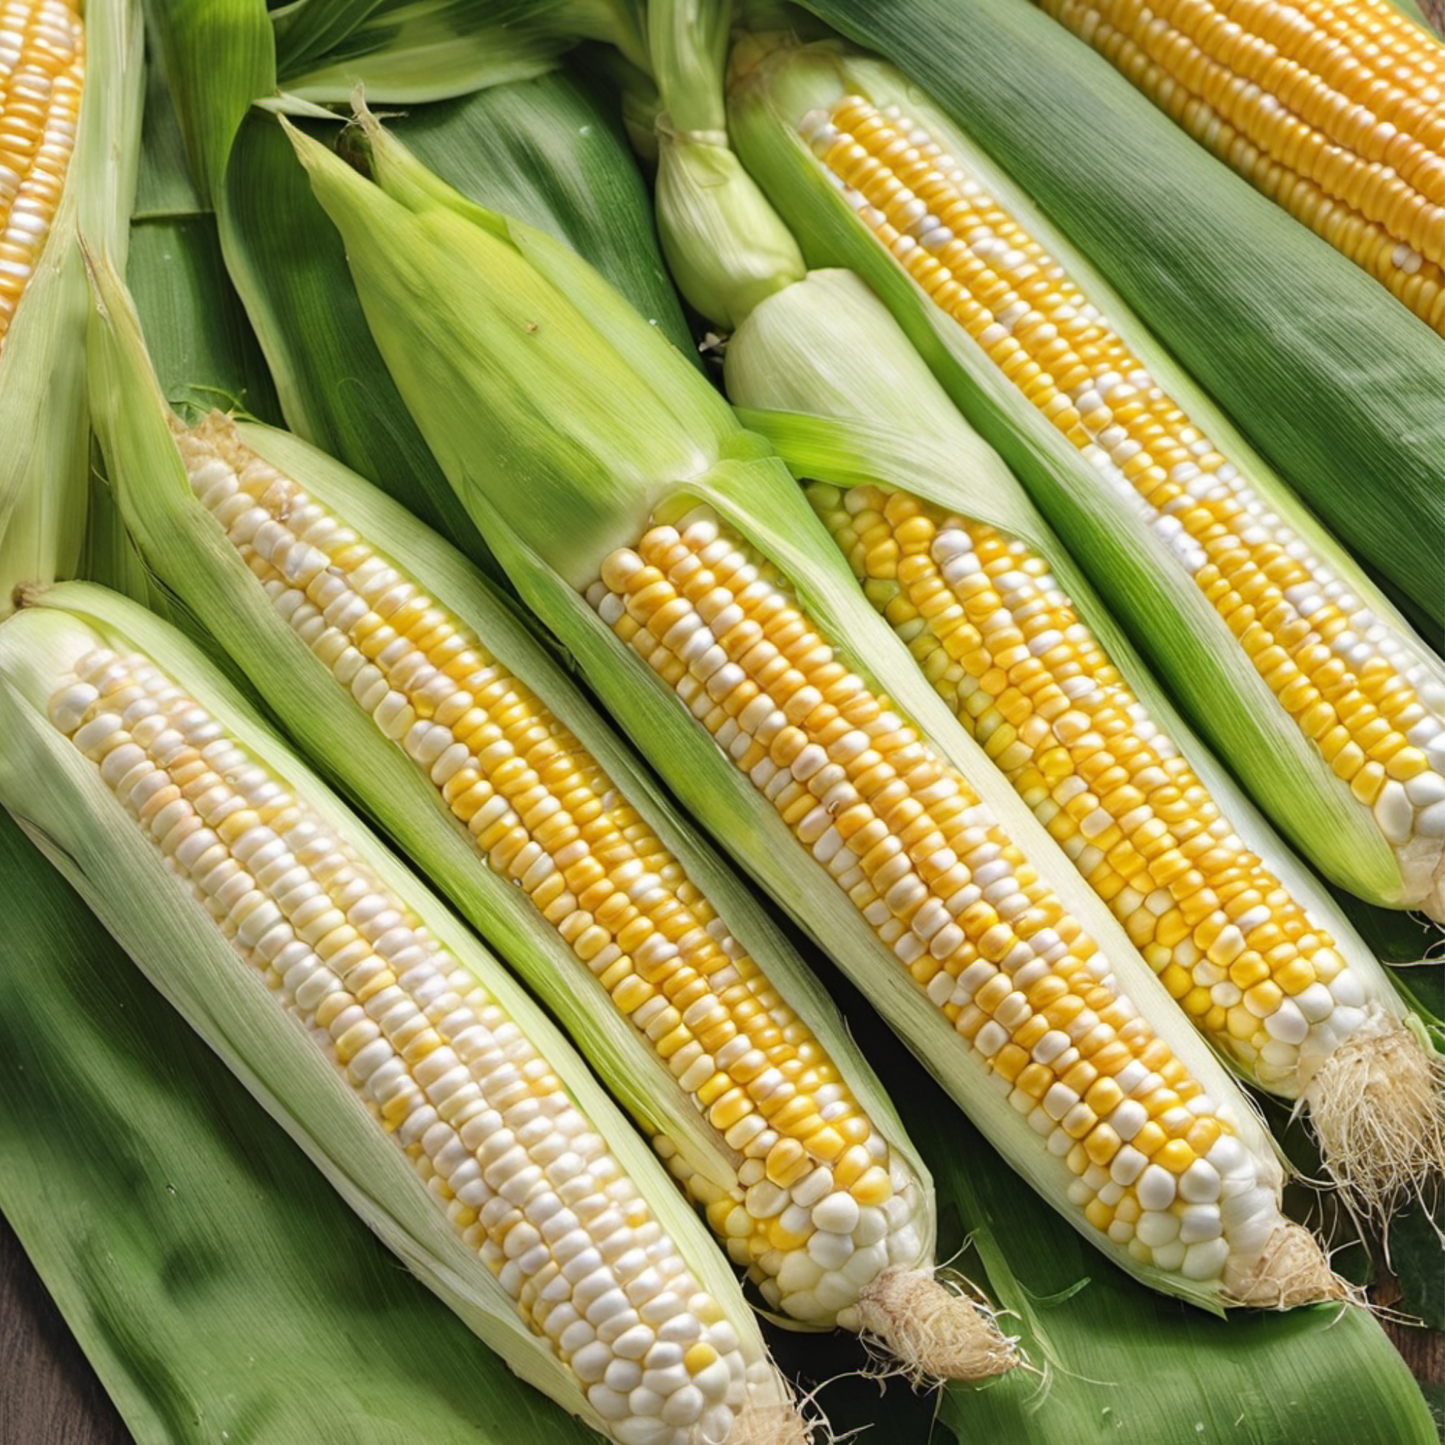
[725, 245]
[1169, 617]
[200, 341]
[495, 334]
[82, 827]
[540, 146]
[217, 1284]
[1328, 375]
[189, 550]
[44, 456]
[405, 51]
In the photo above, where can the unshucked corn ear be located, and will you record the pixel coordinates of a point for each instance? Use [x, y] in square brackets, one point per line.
[393, 661]
[674, 557]
[413, 1070]
[953, 556]
[70, 96]
[1325, 373]
[1332, 111]
[1297, 670]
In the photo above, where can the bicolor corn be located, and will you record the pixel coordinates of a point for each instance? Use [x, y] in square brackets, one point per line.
[1332, 111]
[424, 1032]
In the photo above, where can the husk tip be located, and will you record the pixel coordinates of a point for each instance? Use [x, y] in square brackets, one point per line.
[933, 1330]
[1377, 1106]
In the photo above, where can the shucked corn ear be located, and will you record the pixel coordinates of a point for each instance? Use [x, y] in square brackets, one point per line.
[673, 556]
[391, 659]
[1326, 374]
[1332, 111]
[417, 1075]
[953, 556]
[1301, 675]
[69, 122]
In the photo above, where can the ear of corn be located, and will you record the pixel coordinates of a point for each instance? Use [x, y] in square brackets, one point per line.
[1327, 375]
[1296, 669]
[1333, 114]
[422, 1081]
[69, 121]
[620, 532]
[950, 552]
[131, 1159]
[390, 658]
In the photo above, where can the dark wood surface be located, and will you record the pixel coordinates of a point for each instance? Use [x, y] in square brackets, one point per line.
[49, 1395]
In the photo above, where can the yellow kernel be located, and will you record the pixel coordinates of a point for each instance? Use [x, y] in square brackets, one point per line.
[873, 1187]
[1263, 999]
[1102, 1144]
[699, 1357]
[1176, 1156]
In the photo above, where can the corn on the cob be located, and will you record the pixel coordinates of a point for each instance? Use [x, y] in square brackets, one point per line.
[1272, 975]
[69, 127]
[1258, 956]
[402, 1021]
[1332, 111]
[1318, 694]
[42, 66]
[515, 798]
[664, 587]
[120, 1131]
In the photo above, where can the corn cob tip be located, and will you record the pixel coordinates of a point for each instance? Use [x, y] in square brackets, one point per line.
[931, 1332]
[1290, 1270]
[776, 1423]
[1378, 1109]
